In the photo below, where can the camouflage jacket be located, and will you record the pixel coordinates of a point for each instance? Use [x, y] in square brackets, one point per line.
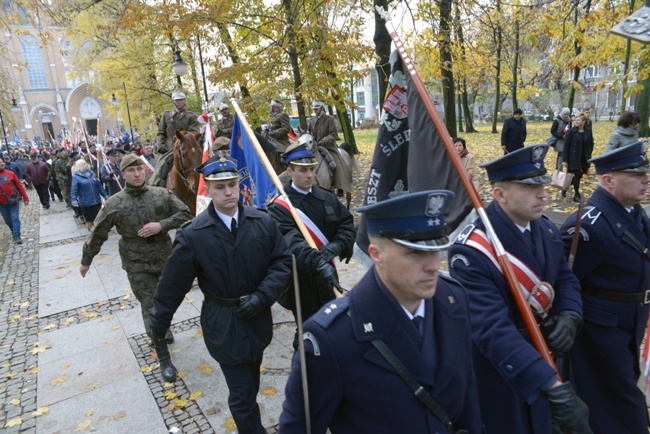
[169, 123]
[60, 170]
[129, 210]
[224, 126]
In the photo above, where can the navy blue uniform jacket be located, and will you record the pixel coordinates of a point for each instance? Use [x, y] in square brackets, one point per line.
[353, 389]
[510, 373]
[604, 361]
[258, 260]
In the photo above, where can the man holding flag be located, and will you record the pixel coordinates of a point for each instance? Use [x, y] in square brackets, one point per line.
[330, 224]
[518, 390]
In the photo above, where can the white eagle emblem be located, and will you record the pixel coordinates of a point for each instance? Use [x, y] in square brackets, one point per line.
[538, 153]
[434, 204]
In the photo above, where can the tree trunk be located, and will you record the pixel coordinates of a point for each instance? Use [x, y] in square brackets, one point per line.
[643, 108]
[577, 47]
[382, 42]
[234, 57]
[295, 62]
[460, 116]
[463, 100]
[469, 122]
[497, 83]
[626, 71]
[446, 65]
[515, 66]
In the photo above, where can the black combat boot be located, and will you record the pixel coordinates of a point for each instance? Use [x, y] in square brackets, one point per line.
[167, 368]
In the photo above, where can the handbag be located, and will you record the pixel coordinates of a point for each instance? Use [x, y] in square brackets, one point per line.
[552, 141]
[11, 200]
[561, 179]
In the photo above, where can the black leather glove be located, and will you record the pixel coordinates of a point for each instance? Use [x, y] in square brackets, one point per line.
[568, 412]
[331, 251]
[250, 307]
[560, 331]
[327, 274]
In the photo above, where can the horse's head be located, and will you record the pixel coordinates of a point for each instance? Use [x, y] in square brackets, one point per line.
[307, 139]
[188, 155]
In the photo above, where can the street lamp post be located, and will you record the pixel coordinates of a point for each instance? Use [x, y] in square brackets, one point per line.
[179, 67]
[4, 133]
[205, 86]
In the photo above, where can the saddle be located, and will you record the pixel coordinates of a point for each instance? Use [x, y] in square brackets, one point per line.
[159, 176]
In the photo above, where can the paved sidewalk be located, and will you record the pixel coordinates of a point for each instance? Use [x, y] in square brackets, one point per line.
[73, 352]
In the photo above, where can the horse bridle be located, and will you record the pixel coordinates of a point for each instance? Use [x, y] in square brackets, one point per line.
[184, 175]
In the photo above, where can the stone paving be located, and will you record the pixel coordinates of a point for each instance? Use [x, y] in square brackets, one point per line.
[73, 352]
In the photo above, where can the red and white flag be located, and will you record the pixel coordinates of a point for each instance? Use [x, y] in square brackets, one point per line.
[202, 199]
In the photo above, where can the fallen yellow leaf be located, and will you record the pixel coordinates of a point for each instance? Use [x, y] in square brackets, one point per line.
[69, 321]
[15, 421]
[14, 401]
[91, 386]
[83, 426]
[49, 326]
[33, 371]
[195, 395]
[15, 318]
[146, 369]
[199, 334]
[270, 391]
[204, 367]
[229, 425]
[170, 395]
[119, 415]
[108, 341]
[66, 366]
[42, 411]
[11, 374]
[89, 413]
[11, 282]
[182, 374]
[58, 380]
[180, 403]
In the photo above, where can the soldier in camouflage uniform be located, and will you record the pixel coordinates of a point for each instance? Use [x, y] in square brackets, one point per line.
[142, 215]
[61, 173]
[171, 121]
[225, 124]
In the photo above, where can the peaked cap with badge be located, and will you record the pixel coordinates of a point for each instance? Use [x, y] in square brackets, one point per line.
[219, 168]
[299, 155]
[415, 221]
[523, 166]
[630, 158]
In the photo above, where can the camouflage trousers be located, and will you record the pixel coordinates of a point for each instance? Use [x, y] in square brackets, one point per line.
[65, 192]
[143, 286]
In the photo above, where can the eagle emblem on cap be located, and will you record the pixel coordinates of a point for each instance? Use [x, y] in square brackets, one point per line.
[538, 153]
[435, 202]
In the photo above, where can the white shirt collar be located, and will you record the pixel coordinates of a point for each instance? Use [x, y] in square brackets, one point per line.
[299, 190]
[523, 228]
[226, 219]
[418, 312]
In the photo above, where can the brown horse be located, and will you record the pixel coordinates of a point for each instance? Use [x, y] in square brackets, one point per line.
[182, 180]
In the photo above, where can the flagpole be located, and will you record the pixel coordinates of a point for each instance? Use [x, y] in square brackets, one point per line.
[269, 169]
[522, 304]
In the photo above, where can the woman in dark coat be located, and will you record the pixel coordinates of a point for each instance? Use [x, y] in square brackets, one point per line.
[578, 146]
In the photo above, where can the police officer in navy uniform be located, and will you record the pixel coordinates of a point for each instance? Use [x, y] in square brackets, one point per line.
[241, 261]
[518, 390]
[613, 267]
[316, 273]
[352, 387]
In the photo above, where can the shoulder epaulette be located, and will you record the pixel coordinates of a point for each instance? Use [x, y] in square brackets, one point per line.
[330, 311]
[465, 233]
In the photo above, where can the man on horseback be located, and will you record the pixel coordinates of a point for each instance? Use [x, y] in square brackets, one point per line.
[279, 126]
[323, 128]
[225, 124]
[172, 120]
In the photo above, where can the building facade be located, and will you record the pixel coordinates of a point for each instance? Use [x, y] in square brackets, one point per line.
[51, 95]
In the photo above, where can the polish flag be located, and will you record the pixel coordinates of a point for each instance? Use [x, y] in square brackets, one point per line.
[202, 199]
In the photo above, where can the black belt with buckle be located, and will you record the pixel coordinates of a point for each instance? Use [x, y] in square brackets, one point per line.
[633, 297]
[224, 302]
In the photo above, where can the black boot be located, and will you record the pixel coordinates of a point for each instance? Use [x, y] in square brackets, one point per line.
[169, 337]
[576, 198]
[167, 368]
[563, 193]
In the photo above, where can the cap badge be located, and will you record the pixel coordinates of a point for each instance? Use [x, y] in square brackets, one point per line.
[538, 153]
[367, 328]
[434, 204]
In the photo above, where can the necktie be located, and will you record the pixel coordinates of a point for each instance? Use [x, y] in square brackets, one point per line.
[417, 321]
[528, 235]
[233, 227]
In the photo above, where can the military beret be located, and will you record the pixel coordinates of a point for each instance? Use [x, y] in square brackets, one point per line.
[523, 166]
[221, 143]
[130, 160]
[300, 155]
[630, 158]
[415, 221]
